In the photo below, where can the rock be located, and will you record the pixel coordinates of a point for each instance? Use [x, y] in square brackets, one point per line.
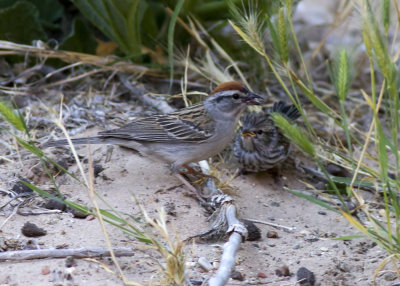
[254, 233]
[296, 246]
[97, 169]
[20, 188]
[305, 277]
[69, 261]
[54, 205]
[336, 170]
[282, 271]
[204, 264]
[272, 234]
[45, 270]
[322, 212]
[261, 275]
[236, 275]
[32, 230]
[390, 276]
[76, 213]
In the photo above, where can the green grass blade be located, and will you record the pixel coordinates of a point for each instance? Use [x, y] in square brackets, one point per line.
[171, 29]
[314, 200]
[14, 118]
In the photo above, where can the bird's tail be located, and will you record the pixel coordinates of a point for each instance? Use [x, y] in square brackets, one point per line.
[75, 141]
[288, 110]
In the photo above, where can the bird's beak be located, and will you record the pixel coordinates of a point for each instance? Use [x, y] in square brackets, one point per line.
[253, 99]
[248, 134]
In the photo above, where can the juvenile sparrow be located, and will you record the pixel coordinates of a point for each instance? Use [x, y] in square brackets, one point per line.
[188, 135]
[259, 144]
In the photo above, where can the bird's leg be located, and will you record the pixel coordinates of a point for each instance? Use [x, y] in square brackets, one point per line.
[191, 171]
[276, 173]
[190, 186]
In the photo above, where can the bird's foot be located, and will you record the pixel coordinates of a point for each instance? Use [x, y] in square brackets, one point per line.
[194, 172]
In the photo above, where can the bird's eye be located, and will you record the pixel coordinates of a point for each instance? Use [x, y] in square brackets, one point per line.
[259, 132]
[235, 96]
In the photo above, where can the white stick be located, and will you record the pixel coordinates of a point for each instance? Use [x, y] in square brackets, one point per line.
[230, 248]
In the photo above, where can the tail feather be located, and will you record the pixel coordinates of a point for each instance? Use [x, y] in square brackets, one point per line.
[289, 110]
[75, 141]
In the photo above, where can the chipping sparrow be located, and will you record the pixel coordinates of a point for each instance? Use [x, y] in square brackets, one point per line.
[259, 144]
[188, 135]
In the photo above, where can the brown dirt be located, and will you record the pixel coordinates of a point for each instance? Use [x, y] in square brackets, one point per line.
[128, 176]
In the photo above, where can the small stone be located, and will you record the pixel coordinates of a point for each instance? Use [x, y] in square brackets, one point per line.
[97, 169]
[324, 249]
[382, 212]
[336, 170]
[190, 264]
[236, 275]
[272, 234]
[20, 188]
[282, 271]
[90, 217]
[45, 270]
[261, 275]
[63, 163]
[322, 212]
[54, 205]
[76, 213]
[254, 233]
[271, 218]
[204, 264]
[69, 261]
[275, 204]
[32, 230]
[305, 277]
[296, 246]
[390, 276]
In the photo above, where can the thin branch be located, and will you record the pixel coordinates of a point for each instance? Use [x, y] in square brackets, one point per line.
[20, 255]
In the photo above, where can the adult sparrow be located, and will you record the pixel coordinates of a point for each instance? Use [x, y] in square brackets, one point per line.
[188, 135]
[259, 144]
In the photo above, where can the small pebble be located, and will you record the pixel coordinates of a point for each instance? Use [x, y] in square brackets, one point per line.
[97, 169]
[282, 271]
[90, 217]
[272, 234]
[69, 261]
[54, 205]
[254, 233]
[324, 249]
[296, 246]
[20, 188]
[336, 170]
[236, 275]
[32, 230]
[271, 218]
[305, 277]
[45, 270]
[204, 264]
[390, 276]
[322, 212]
[275, 204]
[76, 213]
[261, 275]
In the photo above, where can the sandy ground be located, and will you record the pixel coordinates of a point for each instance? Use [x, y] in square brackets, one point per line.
[127, 176]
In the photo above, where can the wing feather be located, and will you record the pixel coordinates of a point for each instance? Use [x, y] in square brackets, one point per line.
[188, 125]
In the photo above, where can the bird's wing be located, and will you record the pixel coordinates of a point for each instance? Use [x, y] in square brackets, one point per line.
[181, 126]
